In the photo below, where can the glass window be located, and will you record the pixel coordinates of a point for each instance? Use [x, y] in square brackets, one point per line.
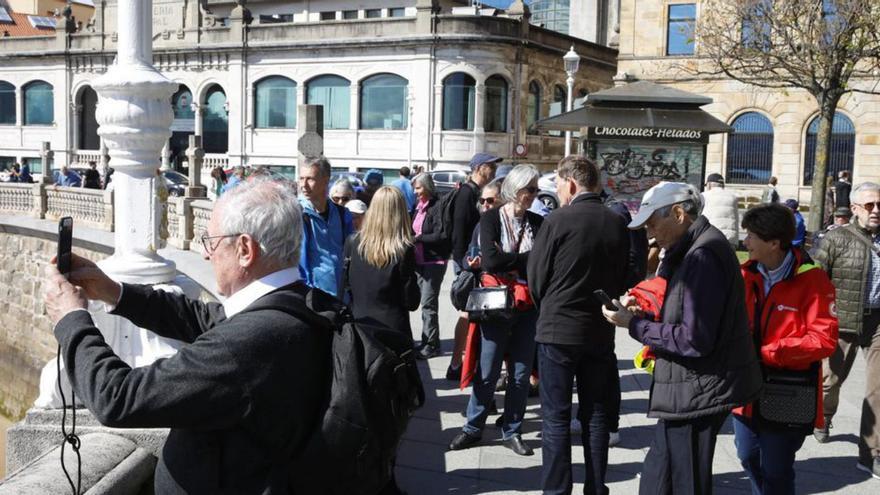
[495, 118]
[6, 162]
[533, 106]
[328, 16]
[275, 103]
[349, 14]
[39, 104]
[275, 18]
[397, 12]
[840, 152]
[384, 102]
[750, 150]
[680, 29]
[373, 13]
[7, 103]
[216, 121]
[334, 93]
[756, 29]
[560, 99]
[458, 102]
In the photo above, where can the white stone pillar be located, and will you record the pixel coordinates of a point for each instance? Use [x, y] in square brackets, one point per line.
[479, 117]
[199, 112]
[354, 108]
[19, 106]
[76, 111]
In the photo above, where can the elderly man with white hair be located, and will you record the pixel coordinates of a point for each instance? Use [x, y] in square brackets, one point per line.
[244, 393]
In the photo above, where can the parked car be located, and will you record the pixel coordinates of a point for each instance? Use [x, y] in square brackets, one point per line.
[547, 193]
[176, 182]
[446, 180]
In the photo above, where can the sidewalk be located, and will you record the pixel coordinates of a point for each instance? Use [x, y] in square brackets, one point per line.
[425, 467]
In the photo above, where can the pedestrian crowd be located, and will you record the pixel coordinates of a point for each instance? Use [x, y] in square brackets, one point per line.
[540, 298]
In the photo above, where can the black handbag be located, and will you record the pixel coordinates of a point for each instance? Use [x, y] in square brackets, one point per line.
[788, 398]
[489, 304]
[461, 289]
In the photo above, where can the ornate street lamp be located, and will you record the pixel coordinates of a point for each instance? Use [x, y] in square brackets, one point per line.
[572, 61]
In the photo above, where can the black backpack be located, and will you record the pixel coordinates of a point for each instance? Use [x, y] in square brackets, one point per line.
[447, 206]
[375, 389]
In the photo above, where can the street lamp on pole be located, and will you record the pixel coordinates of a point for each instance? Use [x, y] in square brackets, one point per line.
[572, 61]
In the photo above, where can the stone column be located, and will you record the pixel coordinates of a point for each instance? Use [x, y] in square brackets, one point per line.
[76, 110]
[199, 111]
[354, 108]
[19, 107]
[310, 128]
[479, 117]
[46, 155]
[195, 156]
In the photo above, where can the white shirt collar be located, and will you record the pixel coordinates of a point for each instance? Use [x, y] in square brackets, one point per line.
[236, 303]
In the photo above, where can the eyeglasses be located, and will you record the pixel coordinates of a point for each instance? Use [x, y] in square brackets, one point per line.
[209, 246]
[870, 206]
[484, 201]
[340, 199]
[530, 190]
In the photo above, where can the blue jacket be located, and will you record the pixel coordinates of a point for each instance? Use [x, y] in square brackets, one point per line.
[801, 230]
[409, 194]
[320, 262]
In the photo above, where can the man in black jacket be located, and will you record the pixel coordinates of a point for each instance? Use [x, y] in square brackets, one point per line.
[243, 395]
[465, 217]
[581, 247]
[706, 363]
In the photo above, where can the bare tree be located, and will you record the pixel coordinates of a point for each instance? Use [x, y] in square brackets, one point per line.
[826, 47]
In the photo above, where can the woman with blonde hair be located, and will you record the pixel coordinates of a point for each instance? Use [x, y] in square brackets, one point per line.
[380, 264]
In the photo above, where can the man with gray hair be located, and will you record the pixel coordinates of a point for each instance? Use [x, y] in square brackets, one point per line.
[245, 392]
[851, 256]
[706, 363]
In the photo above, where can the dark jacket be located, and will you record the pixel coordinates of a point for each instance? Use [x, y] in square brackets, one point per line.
[581, 247]
[464, 217]
[841, 194]
[495, 260]
[435, 246]
[706, 362]
[638, 244]
[384, 295]
[845, 259]
[240, 399]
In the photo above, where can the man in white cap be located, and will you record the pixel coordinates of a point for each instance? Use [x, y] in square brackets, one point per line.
[706, 363]
[358, 209]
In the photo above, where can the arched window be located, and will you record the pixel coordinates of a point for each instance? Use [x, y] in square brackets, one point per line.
[533, 106]
[750, 150]
[558, 105]
[7, 103]
[88, 124]
[216, 121]
[275, 103]
[458, 102]
[383, 102]
[181, 103]
[840, 152]
[39, 103]
[495, 118]
[334, 93]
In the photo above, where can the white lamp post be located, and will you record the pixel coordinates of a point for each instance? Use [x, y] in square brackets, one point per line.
[572, 61]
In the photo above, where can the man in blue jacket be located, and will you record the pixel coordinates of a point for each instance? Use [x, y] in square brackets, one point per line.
[326, 225]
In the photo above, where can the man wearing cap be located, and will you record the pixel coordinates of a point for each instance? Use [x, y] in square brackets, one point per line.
[358, 209]
[465, 217]
[721, 208]
[841, 219]
[706, 363]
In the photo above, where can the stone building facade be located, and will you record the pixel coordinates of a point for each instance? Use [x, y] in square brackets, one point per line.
[404, 82]
[775, 128]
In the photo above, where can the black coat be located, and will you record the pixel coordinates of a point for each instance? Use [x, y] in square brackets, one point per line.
[435, 246]
[495, 260]
[384, 295]
[465, 217]
[241, 397]
[581, 247]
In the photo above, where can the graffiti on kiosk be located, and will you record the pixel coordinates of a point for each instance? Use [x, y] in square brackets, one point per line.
[628, 170]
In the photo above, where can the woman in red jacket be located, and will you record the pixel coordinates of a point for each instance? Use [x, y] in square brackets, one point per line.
[790, 302]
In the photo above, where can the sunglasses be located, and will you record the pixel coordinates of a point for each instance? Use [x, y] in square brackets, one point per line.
[530, 190]
[484, 201]
[341, 199]
[870, 206]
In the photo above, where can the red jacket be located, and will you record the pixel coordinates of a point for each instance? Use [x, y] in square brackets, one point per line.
[798, 320]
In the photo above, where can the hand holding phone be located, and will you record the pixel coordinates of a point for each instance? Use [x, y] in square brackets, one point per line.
[65, 244]
[605, 300]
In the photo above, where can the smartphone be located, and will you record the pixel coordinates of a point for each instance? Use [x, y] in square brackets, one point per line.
[65, 243]
[604, 299]
[473, 252]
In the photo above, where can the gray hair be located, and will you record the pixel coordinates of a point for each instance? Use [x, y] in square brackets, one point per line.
[343, 185]
[691, 209]
[321, 162]
[268, 211]
[519, 177]
[426, 182]
[864, 186]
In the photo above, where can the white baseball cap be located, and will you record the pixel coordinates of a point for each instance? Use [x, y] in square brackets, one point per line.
[663, 194]
[356, 206]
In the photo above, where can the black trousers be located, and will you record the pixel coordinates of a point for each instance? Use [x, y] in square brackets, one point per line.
[680, 458]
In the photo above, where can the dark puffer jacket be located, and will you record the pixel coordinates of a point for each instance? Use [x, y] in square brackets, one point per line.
[845, 259]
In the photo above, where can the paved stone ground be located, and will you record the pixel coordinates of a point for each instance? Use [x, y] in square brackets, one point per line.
[426, 467]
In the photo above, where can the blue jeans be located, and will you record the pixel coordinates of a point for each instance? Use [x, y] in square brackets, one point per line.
[558, 365]
[767, 456]
[517, 339]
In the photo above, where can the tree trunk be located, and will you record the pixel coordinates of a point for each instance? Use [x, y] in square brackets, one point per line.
[820, 169]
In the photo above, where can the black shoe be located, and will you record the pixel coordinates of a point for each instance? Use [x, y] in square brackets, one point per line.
[427, 352]
[463, 441]
[516, 444]
[453, 374]
[534, 391]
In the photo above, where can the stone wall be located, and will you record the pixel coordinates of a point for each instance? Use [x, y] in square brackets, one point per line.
[26, 340]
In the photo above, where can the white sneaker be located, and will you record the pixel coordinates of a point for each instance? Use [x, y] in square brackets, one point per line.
[614, 439]
[575, 425]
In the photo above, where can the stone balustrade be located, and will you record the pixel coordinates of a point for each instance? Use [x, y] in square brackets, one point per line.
[92, 207]
[201, 214]
[83, 157]
[19, 198]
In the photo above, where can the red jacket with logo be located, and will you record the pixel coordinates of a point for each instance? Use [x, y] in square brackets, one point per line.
[797, 321]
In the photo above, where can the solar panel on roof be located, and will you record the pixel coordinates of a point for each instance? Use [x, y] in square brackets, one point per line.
[42, 22]
[4, 15]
